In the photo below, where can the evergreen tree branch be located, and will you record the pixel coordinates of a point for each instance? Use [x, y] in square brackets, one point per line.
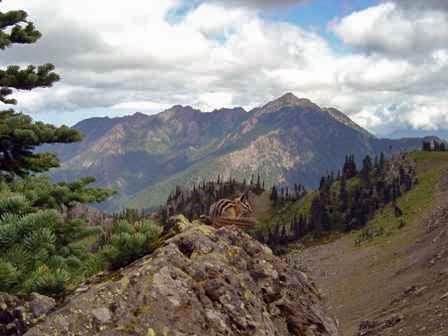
[25, 79]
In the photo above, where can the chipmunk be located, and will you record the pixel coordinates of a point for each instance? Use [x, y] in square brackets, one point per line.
[228, 212]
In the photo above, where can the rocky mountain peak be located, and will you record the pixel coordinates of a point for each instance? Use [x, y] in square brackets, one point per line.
[287, 100]
[180, 109]
[139, 115]
[135, 119]
[179, 112]
[236, 110]
[289, 97]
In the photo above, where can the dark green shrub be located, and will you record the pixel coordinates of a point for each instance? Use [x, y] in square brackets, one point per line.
[127, 242]
[40, 251]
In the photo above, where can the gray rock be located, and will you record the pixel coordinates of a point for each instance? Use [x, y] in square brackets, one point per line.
[103, 314]
[17, 314]
[371, 328]
[201, 281]
[41, 305]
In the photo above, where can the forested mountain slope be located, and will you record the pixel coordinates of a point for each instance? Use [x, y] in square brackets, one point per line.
[289, 140]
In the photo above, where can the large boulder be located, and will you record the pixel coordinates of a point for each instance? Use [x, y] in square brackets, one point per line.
[202, 281]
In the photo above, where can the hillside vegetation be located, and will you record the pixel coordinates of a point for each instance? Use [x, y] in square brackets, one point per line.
[394, 281]
[344, 202]
[430, 167]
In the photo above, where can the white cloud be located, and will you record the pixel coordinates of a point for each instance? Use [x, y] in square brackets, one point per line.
[214, 100]
[423, 5]
[116, 57]
[401, 66]
[390, 30]
[261, 3]
[209, 19]
[141, 106]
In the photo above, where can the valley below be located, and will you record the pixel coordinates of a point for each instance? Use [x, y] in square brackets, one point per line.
[396, 284]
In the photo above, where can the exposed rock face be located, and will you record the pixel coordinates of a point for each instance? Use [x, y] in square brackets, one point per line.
[17, 315]
[202, 281]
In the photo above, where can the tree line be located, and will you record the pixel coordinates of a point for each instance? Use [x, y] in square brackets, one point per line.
[280, 196]
[347, 200]
[434, 146]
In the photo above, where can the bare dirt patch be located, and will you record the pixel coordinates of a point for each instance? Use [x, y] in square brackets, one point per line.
[397, 285]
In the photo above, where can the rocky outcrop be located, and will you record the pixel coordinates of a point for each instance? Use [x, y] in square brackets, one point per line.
[17, 315]
[201, 281]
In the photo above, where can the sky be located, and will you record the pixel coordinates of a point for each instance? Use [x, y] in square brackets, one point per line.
[383, 63]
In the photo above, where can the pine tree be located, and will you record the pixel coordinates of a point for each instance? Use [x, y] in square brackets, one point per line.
[436, 146]
[322, 183]
[19, 135]
[426, 147]
[349, 169]
[382, 161]
[343, 194]
[39, 244]
[366, 169]
[316, 215]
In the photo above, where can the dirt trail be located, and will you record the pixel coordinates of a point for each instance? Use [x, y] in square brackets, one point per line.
[398, 284]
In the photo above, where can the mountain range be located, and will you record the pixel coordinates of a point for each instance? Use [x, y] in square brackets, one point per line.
[289, 140]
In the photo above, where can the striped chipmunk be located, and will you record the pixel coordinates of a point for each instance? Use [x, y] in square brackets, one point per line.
[231, 212]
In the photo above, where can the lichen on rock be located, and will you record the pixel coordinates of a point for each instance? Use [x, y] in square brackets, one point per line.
[201, 281]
